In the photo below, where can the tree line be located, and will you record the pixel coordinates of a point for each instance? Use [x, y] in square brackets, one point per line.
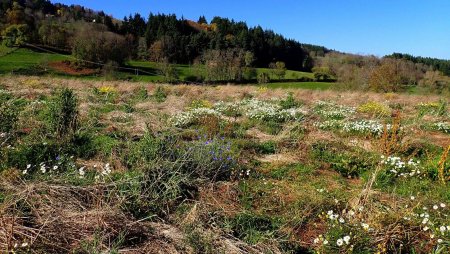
[387, 74]
[437, 64]
[159, 37]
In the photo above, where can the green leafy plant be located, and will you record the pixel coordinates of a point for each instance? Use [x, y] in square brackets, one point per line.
[289, 102]
[63, 113]
[160, 94]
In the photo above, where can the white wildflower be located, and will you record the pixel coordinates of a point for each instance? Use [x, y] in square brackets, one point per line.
[346, 239]
[365, 226]
[81, 171]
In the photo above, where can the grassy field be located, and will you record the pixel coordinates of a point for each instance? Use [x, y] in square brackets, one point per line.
[289, 74]
[28, 62]
[302, 85]
[24, 59]
[92, 166]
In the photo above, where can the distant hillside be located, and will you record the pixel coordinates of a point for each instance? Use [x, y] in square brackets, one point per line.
[437, 64]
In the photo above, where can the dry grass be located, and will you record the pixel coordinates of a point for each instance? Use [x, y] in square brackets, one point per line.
[59, 218]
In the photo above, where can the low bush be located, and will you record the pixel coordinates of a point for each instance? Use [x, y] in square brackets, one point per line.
[289, 102]
[268, 147]
[160, 94]
[9, 112]
[63, 113]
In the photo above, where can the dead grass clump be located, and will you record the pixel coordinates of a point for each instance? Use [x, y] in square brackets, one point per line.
[60, 219]
[223, 197]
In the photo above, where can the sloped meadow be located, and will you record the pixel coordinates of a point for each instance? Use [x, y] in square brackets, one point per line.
[118, 167]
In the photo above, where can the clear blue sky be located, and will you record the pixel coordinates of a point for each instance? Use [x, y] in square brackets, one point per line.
[379, 27]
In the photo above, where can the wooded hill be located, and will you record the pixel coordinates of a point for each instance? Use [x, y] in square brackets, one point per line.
[160, 36]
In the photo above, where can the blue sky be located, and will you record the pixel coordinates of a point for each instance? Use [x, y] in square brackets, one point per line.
[379, 27]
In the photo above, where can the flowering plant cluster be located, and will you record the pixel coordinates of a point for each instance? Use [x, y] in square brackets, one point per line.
[428, 105]
[442, 126]
[432, 221]
[107, 90]
[59, 164]
[374, 108]
[251, 108]
[432, 225]
[397, 167]
[212, 158]
[331, 110]
[260, 110]
[358, 126]
[365, 127]
[64, 163]
[329, 124]
[189, 117]
[345, 231]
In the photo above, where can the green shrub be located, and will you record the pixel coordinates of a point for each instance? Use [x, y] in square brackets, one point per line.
[63, 113]
[268, 147]
[160, 94]
[151, 148]
[9, 111]
[211, 159]
[173, 168]
[351, 165]
[82, 144]
[289, 102]
[207, 159]
[141, 94]
[16, 35]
